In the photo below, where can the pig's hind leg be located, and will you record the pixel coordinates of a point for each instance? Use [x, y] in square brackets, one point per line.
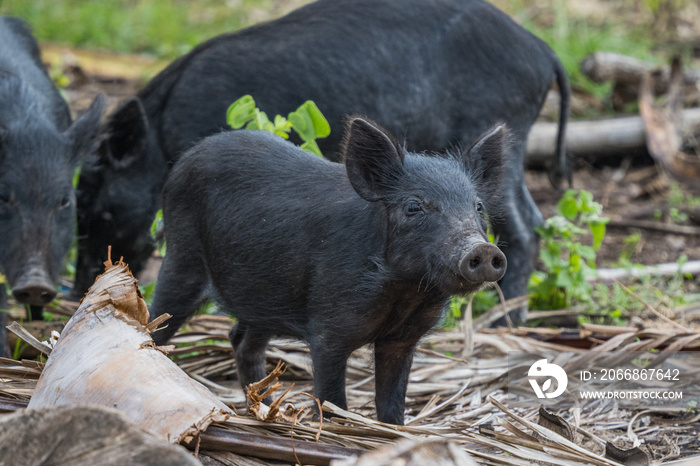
[249, 347]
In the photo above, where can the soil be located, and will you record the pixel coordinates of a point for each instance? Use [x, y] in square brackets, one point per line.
[638, 193]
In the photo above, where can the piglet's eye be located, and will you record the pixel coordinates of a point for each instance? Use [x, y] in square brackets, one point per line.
[4, 197]
[480, 208]
[413, 208]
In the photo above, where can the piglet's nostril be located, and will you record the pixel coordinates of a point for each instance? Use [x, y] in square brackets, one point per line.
[474, 263]
[497, 262]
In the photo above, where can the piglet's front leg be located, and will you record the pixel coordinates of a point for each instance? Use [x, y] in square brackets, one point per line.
[392, 367]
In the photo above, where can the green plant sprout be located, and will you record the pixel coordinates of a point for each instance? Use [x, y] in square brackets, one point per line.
[157, 232]
[307, 121]
[567, 262]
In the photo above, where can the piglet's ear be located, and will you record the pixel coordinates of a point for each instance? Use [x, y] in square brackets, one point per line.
[485, 160]
[83, 132]
[372, 160]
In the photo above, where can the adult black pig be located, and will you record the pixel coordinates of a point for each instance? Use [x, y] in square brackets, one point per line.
[435, 72]
[339, 255]
[39, 151]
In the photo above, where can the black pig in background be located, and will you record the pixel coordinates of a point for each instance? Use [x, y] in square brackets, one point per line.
[437, 73]
[39, 151]
[339, 255]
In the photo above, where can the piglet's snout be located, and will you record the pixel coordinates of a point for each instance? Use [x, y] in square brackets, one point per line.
[483, 263]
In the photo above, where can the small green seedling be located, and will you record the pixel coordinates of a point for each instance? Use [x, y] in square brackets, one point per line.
[307, 121]
[157, 232]
[567, 262]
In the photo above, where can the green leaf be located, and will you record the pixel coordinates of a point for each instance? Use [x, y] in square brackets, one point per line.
[586, 201]
[241, 112]
[76, 177]
[262, 120]
[282, 126]
[269, 126]
[309, 122]
[155, 225]
[569, 206]
[318, 121]
[586, 252]
[597, 228]
[311, 146]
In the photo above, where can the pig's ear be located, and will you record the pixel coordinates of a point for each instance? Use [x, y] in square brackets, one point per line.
[83, 132]
[486, 160]
[127, 130]
[373, 161]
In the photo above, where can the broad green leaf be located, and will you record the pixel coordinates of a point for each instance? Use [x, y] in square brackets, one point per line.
[311, 146]
[309, 122]
[597, 228]
[241, 112]
[318, 121]
[569, 206]
[586, 252]
[574, 261]
[586, 201]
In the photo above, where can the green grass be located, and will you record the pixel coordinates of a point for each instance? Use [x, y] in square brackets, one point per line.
[165, 28]
[572, 39]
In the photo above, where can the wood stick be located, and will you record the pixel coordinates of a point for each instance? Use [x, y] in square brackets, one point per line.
[8, 405]
[670, 228]
[671, 268]
[22, 333]
[272, 448]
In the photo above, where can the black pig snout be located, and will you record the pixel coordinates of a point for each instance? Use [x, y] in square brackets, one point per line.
[34, 289]
[483, 263]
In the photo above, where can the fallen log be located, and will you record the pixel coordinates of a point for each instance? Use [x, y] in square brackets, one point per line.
[106, 357]
[628, 73]
[596, 139]
[271, 448]
[601, 67]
